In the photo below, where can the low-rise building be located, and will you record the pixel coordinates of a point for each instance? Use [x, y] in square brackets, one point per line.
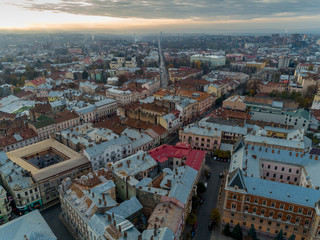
[5, 209]
[46, 163]
[89, 207]
[30, 226]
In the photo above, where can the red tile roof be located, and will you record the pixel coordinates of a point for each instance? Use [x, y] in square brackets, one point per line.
[194, 158]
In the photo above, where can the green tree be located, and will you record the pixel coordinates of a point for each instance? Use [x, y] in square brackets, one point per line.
[310, 68]
[279, 236]
[122, 79]
[192, 218]
[226, 230]
[215, 217]
[84, 75]
[252, 233]
[201, 188]
[292, 237]
[237, 232]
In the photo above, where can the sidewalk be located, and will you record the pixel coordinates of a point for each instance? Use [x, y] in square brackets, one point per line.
[74, 234]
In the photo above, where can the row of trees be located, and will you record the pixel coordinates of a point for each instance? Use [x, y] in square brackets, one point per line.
[237, 234]
[304, 100]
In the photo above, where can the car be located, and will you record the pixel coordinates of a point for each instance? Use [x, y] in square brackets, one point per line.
[193, 232]
[221, 175]
[208, 175]
[201, 200]
[210, 225]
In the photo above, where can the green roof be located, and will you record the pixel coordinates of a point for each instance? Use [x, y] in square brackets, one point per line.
[299, 113]
[43, 121]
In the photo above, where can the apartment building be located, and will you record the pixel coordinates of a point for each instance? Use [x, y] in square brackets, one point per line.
[271, 208]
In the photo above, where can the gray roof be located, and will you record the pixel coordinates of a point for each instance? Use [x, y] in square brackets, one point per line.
[32, 225]
[280, 191]
[127, 208]
[162, 234]
[182, 187]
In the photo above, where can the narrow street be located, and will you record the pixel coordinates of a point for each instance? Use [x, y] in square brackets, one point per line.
[51, 215]
[210, 199]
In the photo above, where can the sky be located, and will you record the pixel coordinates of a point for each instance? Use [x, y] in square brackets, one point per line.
[134, 16]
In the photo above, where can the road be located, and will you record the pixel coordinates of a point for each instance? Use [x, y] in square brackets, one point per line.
[51, 215]
[210, 200]
[164, 76]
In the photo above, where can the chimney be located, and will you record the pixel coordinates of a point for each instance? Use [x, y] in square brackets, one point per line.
[119, 228]
[99, 201]
[114, 223]
[155, 232]
[105, 203]
[112, 215]
[140, 237]
[125, 234]
[103, 196]
[93, 194]
[109, 217]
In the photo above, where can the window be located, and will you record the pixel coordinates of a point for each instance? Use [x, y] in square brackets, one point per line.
[273, 204]
[290, 170]
[244, 223]
[288, 217]
[26, 193]
[281, 206]
[254, 210]
[248, 199]
[297, 171]
[269, 222]
[234, 196]
[261, 220]
[290, 208]
[274, 175]
[268, 166]
[309, 213]
[275, 167]
[282, 169]
[281, 176]
[306, 223]
[288, 178]
[233, 206]
[267, 174]
[246, 208]
[256, 200]
[264, 202]
[280, 216]
[263, 211]
[300, 210]
[271, 214]
[297, 220]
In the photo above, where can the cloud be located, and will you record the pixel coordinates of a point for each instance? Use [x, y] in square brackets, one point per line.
[177, 9]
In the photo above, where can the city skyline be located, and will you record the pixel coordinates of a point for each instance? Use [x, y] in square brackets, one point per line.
[120, 16]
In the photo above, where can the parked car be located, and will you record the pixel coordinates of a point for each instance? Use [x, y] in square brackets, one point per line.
[210, 225]
[221, 175]
[208, 175]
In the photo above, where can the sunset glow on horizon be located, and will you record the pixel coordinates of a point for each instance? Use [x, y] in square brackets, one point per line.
[57, 15]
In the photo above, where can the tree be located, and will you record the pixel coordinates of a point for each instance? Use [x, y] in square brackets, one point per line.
[252, 233]
[310, 68]
[201, 188]
[292, 237]
[192, 218]
[197, 64]
[279, 236]
[215, 217]
[237, 232]
[84, 75]
[122, 79]
[226, 230]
